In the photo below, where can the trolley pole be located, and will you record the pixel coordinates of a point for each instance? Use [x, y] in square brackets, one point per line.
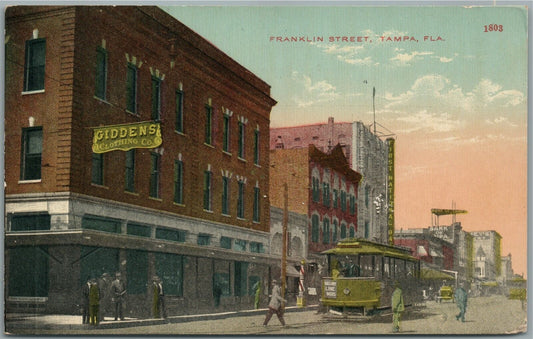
[285, 236]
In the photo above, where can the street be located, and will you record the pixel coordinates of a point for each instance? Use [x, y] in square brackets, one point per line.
[485, 315]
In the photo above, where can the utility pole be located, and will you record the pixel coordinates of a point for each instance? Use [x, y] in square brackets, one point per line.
[374, 107]
[284, 245]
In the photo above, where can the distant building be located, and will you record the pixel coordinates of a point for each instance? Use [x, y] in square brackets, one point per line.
[132, 145]
[321, 186]
[488, 259]
[367, 154]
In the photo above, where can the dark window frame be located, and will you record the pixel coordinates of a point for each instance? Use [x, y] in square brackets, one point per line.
[34, 65]
[31, 162]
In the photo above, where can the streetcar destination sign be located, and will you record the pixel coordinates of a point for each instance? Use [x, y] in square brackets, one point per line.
[124, 137]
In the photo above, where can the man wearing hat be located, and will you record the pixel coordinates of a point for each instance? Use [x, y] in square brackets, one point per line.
[104, 283]
[275, 304]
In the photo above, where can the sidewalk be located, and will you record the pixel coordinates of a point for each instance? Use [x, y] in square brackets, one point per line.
[15, 321]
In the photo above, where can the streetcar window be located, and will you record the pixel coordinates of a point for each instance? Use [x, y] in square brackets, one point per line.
[386, 267]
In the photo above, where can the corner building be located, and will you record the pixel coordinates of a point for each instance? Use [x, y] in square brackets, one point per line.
[188, 203]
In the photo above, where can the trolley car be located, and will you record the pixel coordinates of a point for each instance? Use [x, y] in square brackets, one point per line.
[361, 277]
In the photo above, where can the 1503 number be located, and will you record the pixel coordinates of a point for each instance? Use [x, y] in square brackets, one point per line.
[493, 28]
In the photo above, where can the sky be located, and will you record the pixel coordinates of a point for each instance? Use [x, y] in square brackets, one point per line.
[451, 84]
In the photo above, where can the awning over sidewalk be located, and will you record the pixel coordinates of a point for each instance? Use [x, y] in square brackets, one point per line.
[431, 274]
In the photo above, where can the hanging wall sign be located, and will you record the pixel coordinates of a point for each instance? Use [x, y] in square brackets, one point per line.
[127, 136]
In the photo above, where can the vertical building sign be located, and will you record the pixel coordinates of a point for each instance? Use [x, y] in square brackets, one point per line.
[390, 192]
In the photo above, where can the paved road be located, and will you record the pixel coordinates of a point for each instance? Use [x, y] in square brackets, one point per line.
[485, 315]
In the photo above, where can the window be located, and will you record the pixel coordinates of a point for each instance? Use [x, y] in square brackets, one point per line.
[316, 189]
[130, 171]
[30, 222]
[352, 204]
[34, 65]
[257, 204]
[367, 229]
[28, 271]
[139, 230]
[204, 239]
[178, 182]
[352, 232]
[241, 140]
[131, 89]
[325, 194]
[225, 195]
[208, 124]
[343, 201]
[32, 149]
[335, 230]
[367, 195]
[314, 228]
[225, 139]
[241, 269]
[101, 224]
[256, 147]
[136, 271]
[240, 245]
[101, 73]
[207, 190]
[169, 267]
[155, 172]
[335, 198]
[325, 231]
[97, 173]
[179, 111]
[225, 242]
[170, 235]
[343, 231]
[240, 201]
[256, 247]
[156, 99]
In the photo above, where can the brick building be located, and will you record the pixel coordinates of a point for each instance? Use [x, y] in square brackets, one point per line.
[366, 153]
[186, 200]
[320, 185]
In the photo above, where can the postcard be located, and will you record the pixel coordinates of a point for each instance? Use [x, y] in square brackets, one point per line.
[266, 169]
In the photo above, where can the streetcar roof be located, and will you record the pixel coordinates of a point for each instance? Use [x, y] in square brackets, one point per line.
[353, 246]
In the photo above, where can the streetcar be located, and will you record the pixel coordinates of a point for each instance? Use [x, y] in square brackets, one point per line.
[362, 274]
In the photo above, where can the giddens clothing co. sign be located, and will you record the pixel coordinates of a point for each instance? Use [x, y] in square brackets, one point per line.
[127, 136]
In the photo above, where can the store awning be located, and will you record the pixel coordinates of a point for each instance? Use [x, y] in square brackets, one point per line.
[431, 274]
[421, 251]
[292, 272]
[435, 254]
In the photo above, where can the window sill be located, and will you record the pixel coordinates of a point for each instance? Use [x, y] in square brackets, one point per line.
[99, 186]
[227, 153]
[226, 215]
[37, 91]
[101, 100]
[178, 204]
[208, 211]
[241, 219]
[180, 133]
[133, 113]
[209, 145]
[242, 159]
[155, 199]
[34, 181]
[132, 193]
[257, 165]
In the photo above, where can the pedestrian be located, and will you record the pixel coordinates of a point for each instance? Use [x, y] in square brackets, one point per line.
[397, 306]
[118, 290]
[85, 301]
[461, 299]
[94, 302]
[257, 289]
[105, 301]
[158, 304]
[275, 305]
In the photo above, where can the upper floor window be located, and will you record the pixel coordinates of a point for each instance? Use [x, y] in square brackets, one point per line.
[204, 239]
[208, 124]
[34, 65]
[226, 133]
[326, 199]
[314, 228]
[179, 111]
[241, 140]
[207, 190]
[155, 173]
[30, 222]
[131, 88]
[156, 98]
[257, 204]
[97, 173]
[130, 171]
[32, 149]
[316, 189]
[225, 195]
[325, 231]
[101, 73]
[256, 147]
[240, 201]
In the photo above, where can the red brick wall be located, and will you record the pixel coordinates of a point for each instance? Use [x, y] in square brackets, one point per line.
[67, 109]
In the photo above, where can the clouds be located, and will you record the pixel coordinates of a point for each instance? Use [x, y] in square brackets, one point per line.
[309, 92]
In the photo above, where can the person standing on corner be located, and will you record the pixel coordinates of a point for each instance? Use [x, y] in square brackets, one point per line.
[257, 289]
[397, 307]
[461, 299]
[94, 302]
[158, 306]
[275, 305]
[85, 301]
[118, 290]
[103, 284]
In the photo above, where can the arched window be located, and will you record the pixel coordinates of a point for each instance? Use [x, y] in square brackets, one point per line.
[325, 231]
[314, 228]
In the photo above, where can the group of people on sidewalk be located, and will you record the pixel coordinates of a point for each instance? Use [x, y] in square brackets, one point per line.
[99, 295]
